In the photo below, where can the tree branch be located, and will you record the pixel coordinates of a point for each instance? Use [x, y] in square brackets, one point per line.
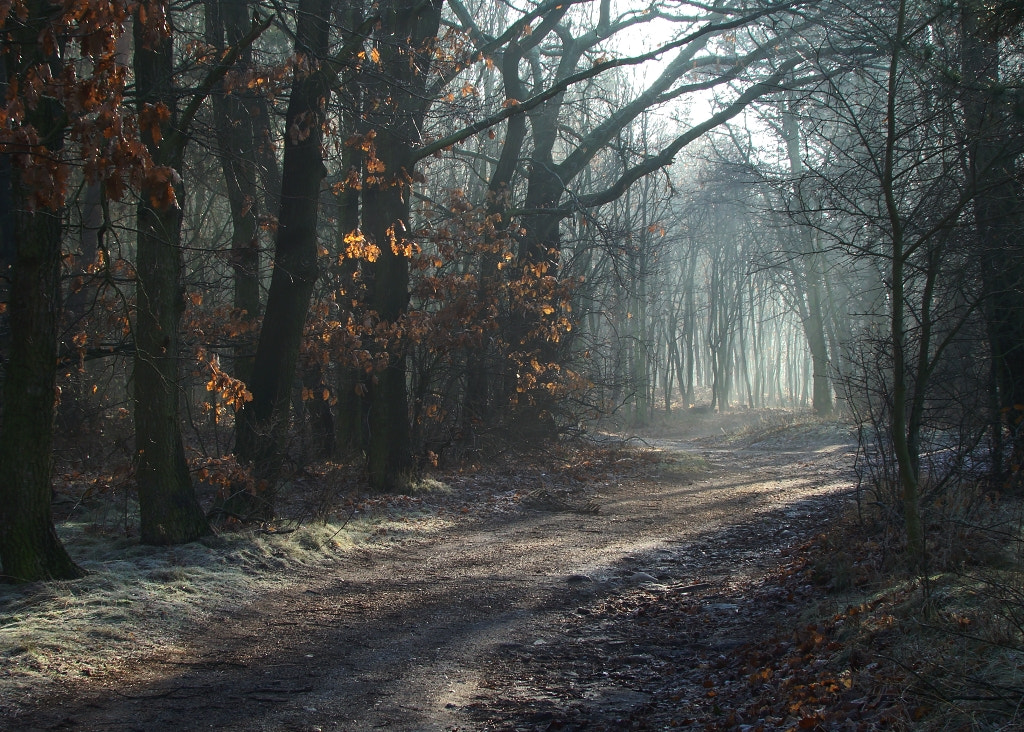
[666, 156]
[514, 107]
[213, 77]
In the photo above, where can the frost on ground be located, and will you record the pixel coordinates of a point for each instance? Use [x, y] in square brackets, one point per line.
[137, 599]
[631, 583]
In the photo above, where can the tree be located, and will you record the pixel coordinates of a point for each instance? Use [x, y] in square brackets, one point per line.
[44, 101]
[883, 181]
[29, 546]
[994, 146]
[169, 510]
[396, 112]
[575, 55]
[242, 125]
[808, 271]
[263, 423]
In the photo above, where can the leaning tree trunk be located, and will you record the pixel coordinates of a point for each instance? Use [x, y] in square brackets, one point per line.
[168, 508]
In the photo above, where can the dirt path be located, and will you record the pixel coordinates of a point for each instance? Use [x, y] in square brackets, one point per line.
[497, 624]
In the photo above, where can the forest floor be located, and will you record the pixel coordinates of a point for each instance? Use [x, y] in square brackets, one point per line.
[687, 580]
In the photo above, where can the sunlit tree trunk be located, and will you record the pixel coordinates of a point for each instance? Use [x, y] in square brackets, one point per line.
[811, 279]
[689, 331]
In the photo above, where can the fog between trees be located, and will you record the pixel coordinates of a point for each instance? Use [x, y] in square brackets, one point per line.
[240, 237]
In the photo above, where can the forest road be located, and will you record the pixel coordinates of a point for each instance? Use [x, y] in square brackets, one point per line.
[416, 635]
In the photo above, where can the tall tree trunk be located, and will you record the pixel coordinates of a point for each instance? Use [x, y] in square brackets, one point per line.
[499, 193]
[808, 273]
[168, 508]
[350, 433]
[350, 410]
[690, 332]
[904, 436]
[263, 422]
[389, 455]
[405, 45]
[814, 332]
[236, 116]
[29, 547]
[538, 255]
[993, 150]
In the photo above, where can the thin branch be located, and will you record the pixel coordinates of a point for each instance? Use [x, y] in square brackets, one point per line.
[213, 77]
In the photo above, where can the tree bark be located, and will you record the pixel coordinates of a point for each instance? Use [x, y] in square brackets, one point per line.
[29, 546]
[993, 150]
[169, 510]
[903, 441]
[263, 422]
[404, 45]
[350, 435]
[236, 118]
[499, 192]
[811, 279]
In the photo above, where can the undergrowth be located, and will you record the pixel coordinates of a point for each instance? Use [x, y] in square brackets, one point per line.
[948, 644]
